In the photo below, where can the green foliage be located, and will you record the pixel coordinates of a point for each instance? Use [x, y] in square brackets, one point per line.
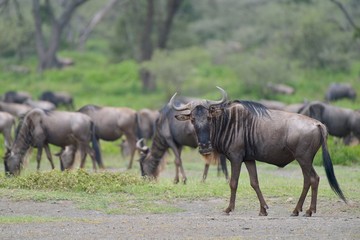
[316, 45]
[173, 69]
[340, 154]
[78, 181]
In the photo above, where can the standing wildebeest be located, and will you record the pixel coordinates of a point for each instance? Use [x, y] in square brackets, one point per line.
[7, 122]
[58, 99]
[146, 123]
[40, 128]
[113, 122]
[338, 91]
[340, 122]
[246, 131]
[173, 134]
[16, 97]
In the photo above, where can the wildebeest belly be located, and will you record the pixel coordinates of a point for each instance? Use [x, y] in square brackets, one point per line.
[108, 134]
[279, 156]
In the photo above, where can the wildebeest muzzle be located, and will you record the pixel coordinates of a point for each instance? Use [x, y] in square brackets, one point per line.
[205, 148]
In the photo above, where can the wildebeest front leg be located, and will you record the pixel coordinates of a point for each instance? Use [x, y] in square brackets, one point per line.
[48, 155]
[235, 173]
[206, 170]
[38, 157]
[254, 182]
[178, 162]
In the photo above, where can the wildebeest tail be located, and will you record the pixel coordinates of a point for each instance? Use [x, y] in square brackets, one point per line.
[138, 126]
[329, 169]
[95, 146]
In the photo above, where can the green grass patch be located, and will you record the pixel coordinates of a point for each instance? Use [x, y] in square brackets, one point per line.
[36, 219]
[126, 193]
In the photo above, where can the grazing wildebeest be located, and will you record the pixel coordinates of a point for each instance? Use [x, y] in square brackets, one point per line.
[338, 91]
[15, 109]
[7, 122]
[340, 122]
[145, 127]
[246, 131]
[58, 99]
[40, 128]
[111, 123]
[16, 97]
[173, 134]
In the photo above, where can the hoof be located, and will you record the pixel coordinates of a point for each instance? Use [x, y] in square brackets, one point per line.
[308, 214]
[228, 210]
[263, 214]
[294, 214]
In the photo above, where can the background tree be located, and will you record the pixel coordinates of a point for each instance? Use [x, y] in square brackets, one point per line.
[44, 13]
[137, 27]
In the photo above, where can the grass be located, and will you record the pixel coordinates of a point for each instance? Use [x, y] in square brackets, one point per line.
[93, 80]
[37, 219]
[125, 192]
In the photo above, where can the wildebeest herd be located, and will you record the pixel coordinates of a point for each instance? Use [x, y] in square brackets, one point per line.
[240, 131]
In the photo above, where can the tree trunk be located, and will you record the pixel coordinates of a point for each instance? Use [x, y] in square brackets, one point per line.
[146, 49]
[47, 52]
[94, 21]
[171, 9]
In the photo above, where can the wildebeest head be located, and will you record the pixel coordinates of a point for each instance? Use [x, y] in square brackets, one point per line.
[144, 155]
[12, 163]
[200, 115]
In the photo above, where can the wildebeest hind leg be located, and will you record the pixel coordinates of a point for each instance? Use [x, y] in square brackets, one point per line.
[306, 186]
[314, 181]
[91, 152]
[48, 155]
[254, 182]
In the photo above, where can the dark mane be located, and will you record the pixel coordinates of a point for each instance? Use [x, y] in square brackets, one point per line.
[24, 133]
[254, 107]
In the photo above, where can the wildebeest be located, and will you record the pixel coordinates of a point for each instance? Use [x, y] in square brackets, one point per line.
[173, 134]
[44, 105]
[146, 123]
[111, 123]
[272, 104]
[281, 89]
[340, 122]
[58, 99]
[15, 109]
[338, 91]
[16, 97]
[145, 127]
[246, 131]
[7, 123]
[40, 128]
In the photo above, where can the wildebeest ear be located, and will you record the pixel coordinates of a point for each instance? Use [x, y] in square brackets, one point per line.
[216, 112]
[182, 117]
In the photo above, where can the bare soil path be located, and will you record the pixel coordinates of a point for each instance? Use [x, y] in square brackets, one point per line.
[199, 220]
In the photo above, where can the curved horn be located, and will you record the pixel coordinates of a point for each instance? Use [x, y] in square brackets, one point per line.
[222, 100]
[140, 145]
[182, 107]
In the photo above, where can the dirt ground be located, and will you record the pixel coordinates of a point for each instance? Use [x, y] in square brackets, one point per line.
[199, 220]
